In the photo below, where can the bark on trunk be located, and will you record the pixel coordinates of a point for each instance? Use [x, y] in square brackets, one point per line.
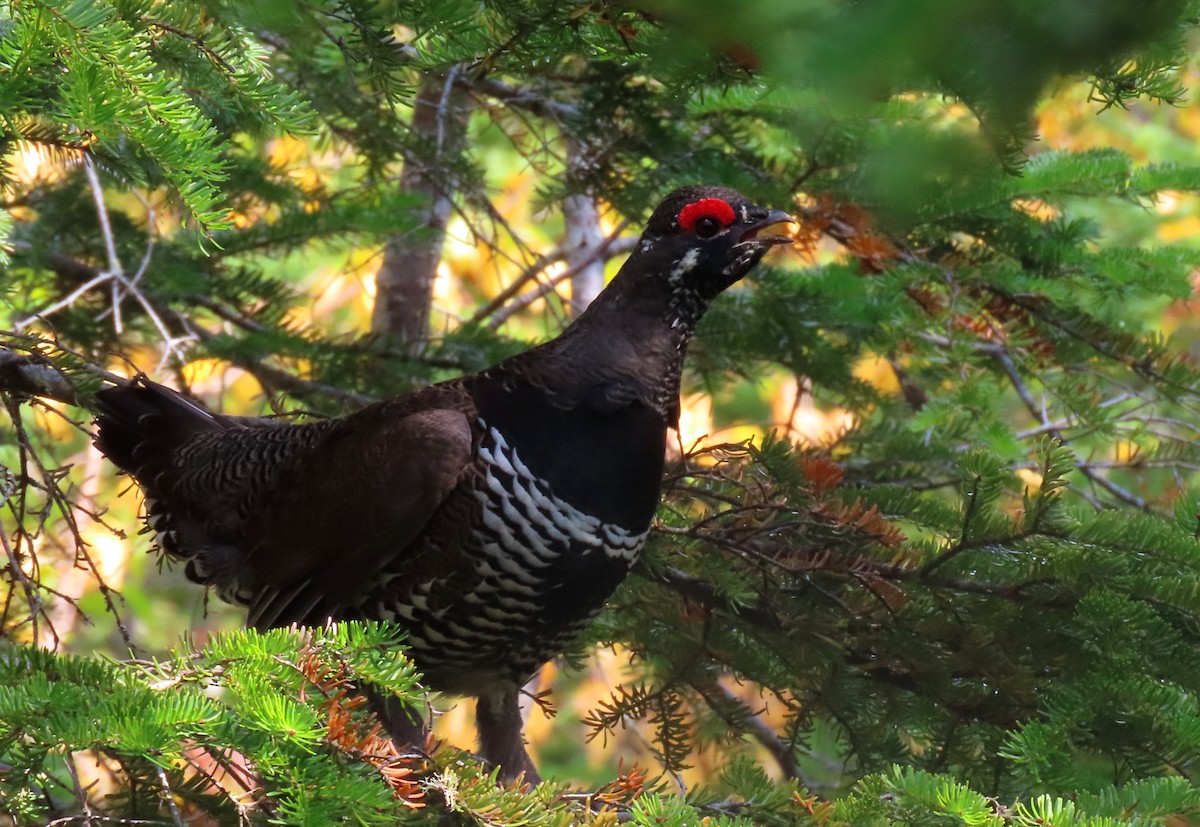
[583, 238]
[404, 283]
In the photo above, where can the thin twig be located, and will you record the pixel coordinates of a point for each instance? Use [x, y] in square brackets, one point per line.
[444, 111]
[66, 301]
[1004, 359]
[524, 98]
[28, 373]
[117, 273]
[66, 508]
[144, 264]
[169, 797]
[611, 247]
[721, 700]
[106, 233]
[80, 793]
[527, 275]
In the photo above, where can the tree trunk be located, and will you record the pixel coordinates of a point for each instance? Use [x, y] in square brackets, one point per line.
[583, 237]
[404, 283]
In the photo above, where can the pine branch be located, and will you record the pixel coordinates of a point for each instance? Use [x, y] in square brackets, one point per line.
[721, 700]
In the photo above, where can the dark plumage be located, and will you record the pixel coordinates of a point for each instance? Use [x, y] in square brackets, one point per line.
[490, 515]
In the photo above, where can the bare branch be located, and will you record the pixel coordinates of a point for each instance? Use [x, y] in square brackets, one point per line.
[81, 795]
[31, 374]
[110, 244]
[169, 797]
[537, 104]
[527, 275]
[610, 248]
[742, 718]
[66, 301]
[270, 377]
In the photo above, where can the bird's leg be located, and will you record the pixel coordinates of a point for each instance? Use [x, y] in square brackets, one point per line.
[403, 723]
[502, 737]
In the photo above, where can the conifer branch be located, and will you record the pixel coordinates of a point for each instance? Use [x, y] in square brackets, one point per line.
[705, 593]
[32, 374]
[541, 105]
[1002, 357]
[1070, 638]
[740, 718]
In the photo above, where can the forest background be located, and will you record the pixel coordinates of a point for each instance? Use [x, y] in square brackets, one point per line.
[928, 552]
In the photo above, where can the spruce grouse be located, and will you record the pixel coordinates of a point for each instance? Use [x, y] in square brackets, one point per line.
[491, 515]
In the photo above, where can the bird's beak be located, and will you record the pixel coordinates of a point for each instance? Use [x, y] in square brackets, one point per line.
[755, 231]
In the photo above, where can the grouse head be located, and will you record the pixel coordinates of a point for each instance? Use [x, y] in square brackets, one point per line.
[698, 242]
[630, 342]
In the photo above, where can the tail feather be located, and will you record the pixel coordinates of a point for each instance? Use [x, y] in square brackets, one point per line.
[143, 420]
[141, 427]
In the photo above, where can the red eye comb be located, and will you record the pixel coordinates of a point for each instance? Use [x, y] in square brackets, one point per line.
[713, 208]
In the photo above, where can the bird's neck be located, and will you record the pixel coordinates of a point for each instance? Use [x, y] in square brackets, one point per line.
[626, 348]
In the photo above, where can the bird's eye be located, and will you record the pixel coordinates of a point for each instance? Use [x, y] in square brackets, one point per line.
[706, 227]
[706, 217]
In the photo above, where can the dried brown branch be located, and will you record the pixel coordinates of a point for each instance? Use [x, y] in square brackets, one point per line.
[36, 478]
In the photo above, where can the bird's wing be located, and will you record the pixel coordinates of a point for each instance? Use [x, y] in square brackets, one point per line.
[351, 505]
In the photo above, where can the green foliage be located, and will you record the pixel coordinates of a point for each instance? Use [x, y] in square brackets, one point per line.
[264, 698]
[979, 604]
[112, 78]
